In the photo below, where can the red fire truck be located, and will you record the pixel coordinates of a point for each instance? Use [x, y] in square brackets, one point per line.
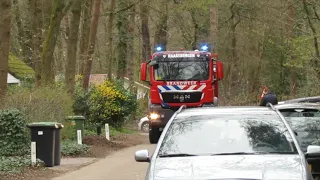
[179, 78]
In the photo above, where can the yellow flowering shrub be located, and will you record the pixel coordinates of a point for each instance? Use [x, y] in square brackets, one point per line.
[111, 103]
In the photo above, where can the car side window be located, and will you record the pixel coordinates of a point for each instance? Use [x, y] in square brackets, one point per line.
[300, 113]
[314, 100]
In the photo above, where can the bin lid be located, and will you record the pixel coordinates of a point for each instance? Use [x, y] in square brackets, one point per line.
[76, 117]
[54, 125]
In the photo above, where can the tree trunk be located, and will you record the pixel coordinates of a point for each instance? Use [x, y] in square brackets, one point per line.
[131, 54]
[24, 34]
[290, 25]
[315, 37]
[84, 40]
[110, 39]
[70, 70]
[58, 11]
[122, 26]
[92, 42]
[196, 29]
[144, 16]
[5, 25]
[234, 70]
[37, 23]
[160, 37]
[213, 28]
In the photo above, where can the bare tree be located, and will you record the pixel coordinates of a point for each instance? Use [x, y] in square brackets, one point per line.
[58, 12]
[5, 25]
[70, 71]
[144, 16]
[37, 24]
[110, 38]
[131, 53]
[213, 27]
[160, 37]
[85, 31]
[122, 27]
[92, 42]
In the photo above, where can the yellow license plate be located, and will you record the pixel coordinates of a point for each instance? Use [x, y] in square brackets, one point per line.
[310, 167]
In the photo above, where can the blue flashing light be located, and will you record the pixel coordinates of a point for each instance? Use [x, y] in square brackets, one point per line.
[204, 48]
[159, 48]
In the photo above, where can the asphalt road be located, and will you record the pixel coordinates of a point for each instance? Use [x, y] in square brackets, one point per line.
[117, 166]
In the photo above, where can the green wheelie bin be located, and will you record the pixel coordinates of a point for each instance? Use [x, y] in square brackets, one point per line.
[77, 122]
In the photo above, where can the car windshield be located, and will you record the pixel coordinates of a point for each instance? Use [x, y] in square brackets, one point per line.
[182, 68]
[305, 122]
[227, 134]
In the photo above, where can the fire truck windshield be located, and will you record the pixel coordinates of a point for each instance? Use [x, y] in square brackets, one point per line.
[182, 69]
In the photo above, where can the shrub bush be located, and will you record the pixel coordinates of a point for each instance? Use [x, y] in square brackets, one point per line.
[49, 104]
[111, 103]
[13, 137]
[71, 148]
[16, 164]
[81, 104]
[41, 104]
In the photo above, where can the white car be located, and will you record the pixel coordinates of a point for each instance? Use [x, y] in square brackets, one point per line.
[143, 124]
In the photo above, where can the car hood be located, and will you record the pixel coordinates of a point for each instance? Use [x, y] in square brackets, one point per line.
[250, 167]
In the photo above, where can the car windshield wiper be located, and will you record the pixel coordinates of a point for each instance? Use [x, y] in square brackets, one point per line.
[177, 155]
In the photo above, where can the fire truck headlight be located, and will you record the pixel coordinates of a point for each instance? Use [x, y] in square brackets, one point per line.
[154, 116]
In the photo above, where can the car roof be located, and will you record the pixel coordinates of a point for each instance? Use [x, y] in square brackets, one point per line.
[298, 105]
[203, 111]
[302, 99]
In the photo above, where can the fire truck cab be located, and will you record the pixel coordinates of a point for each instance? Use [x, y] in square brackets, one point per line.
[179, 78]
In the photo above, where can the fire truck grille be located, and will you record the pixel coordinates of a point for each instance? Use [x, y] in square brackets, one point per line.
[181, 97]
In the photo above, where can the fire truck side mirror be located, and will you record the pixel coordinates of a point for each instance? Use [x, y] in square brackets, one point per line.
[143, 72]
[219, 70]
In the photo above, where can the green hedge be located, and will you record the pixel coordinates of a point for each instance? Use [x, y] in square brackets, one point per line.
[14, 140]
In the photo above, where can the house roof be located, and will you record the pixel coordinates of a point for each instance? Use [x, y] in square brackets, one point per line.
[18, 68]
[97, 78]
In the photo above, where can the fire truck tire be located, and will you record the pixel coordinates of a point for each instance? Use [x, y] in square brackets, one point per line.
[215, 101]
[154, 135]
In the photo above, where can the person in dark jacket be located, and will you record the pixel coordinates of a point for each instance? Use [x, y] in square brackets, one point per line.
[269, 97]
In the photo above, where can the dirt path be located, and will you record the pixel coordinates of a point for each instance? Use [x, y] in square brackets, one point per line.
[117, 166]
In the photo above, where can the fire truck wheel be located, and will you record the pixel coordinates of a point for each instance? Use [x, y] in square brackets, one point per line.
[215, 101]
[154, 135]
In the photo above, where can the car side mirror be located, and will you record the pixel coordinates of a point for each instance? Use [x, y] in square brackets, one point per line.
[142, 156]
[313, 150]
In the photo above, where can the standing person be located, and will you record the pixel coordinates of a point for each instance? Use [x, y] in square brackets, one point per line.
[269, 97]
